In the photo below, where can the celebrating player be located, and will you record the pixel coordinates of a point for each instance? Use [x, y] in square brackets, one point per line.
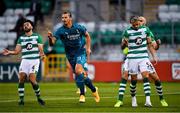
[31, 47]
[152, 74]
[77, 52]
[136, 38]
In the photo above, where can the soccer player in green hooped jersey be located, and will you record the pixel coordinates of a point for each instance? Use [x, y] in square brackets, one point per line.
[31, 47]
[153, 74]
[137, 38]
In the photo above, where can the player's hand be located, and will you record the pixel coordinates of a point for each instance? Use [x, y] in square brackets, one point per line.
[155, 60]
[5, 52]
[88, 52]
[42, 56]
[50, 35]
[158, 42]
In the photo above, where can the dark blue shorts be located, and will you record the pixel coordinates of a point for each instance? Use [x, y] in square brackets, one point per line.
[81, 59]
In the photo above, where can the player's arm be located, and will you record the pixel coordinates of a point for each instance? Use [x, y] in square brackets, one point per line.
[158, 43]
[151, 49]
[155, 42]
[124, 43]
[88, 45]
[41, 51]
[52, 39]
[40, 47]
[15, 52]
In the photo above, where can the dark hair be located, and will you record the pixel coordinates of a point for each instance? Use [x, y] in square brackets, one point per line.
[29, 22]
[67, 12]
[134, 19]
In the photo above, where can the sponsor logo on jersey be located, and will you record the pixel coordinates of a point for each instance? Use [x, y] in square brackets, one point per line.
[29, 46]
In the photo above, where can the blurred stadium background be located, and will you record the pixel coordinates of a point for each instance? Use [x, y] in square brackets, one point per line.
[105, 20]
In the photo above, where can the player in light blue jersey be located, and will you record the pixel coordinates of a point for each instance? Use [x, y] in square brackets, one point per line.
[77, 52]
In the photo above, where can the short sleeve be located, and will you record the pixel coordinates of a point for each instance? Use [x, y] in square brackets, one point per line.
[19, 41]
[152, 36]
[40, 39]
[125, 34]
[56, 34]
[82, 29]
[148, 32]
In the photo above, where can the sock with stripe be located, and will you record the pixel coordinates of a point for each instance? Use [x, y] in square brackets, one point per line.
[147, 89]
[80, 83]
[133, 87]
[122, 88]
[36, 90]
[21, 91]
[89, 84]
[159, 89]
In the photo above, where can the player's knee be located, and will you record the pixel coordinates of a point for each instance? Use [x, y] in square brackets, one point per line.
[125, 75]
[145, 74]
[21, 79]
[133, 77]
[78, 71]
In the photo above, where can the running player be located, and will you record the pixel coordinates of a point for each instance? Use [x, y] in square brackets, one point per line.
[31, 47]
[77, 52]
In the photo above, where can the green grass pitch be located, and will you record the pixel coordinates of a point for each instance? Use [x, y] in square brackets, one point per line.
[62, 97]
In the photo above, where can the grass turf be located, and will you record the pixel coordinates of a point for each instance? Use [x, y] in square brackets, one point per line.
[62, 97]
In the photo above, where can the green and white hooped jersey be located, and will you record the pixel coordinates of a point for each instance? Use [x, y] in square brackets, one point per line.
[137, 42]
[29, 46]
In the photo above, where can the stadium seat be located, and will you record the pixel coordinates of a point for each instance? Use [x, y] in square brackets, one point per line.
[10, 26]
[103, 27]
[3, 35]
[18, 11]
[173, 8]
[163, 8]
[174, 16]
[11, 19]
[10, 42]
[46, 6]
[18, 4]
[27, 4]
[90, 26]
[9, 12]
[2, 27]
[12, 35]
[112, 27]
[30, 18]
[2, 20]
[4, 43]
[164, 16]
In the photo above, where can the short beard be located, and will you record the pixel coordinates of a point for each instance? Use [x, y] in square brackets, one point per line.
[28, 30]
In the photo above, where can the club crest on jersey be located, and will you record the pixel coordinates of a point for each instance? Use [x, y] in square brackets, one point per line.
[29, 46]
[138, 41]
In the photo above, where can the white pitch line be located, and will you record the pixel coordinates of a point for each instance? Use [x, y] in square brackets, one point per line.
[92, 112]
[74, 98]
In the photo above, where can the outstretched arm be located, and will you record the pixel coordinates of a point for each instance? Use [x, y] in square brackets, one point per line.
[15, 52]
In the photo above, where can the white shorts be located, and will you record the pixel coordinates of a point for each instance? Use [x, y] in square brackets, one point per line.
[29, 66]
[136, 66]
